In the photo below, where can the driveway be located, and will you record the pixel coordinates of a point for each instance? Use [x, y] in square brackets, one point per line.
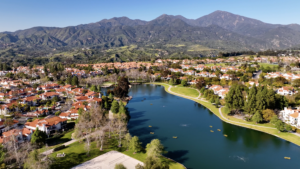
[256, 76]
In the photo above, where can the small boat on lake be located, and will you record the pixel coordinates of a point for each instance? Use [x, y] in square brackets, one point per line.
[151, 132]
[174, 136]
[210, 126]
[151, 104]
[288, 158]
[150, 126]
[219, 130]
[211, 131]
[225, 135]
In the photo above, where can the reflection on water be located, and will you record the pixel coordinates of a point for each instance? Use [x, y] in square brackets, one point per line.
[196, 147]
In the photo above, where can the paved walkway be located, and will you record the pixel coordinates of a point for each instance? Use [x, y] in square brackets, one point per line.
[109, 160]
[66, 144]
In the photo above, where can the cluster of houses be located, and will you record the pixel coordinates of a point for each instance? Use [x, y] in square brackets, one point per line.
[219, 90]
[288, 76]
[14, 94]
[14, 100]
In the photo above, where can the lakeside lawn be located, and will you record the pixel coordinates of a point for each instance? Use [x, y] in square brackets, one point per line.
[76, 154]
[185, 91]
[235, 121]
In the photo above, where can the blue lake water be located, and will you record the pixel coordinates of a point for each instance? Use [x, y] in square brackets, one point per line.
[196, 147]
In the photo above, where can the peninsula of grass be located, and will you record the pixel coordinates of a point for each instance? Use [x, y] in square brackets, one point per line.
[185, 91]
[76, 154]
[266, 127]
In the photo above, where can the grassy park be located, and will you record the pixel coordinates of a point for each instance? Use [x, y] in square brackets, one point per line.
[76, 154]
[185, 91]
[268, 64]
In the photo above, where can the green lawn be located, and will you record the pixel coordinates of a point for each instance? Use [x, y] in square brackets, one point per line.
[217, 64]
[185, 91]
[268, 64]
[76, 154]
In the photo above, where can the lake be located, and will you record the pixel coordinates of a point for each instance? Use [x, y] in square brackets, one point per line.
[196, 146]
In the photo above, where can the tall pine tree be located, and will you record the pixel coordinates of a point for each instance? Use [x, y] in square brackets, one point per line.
[250, 105]
[234, 99]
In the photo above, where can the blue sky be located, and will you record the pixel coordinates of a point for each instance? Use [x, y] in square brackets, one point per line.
[22, 14]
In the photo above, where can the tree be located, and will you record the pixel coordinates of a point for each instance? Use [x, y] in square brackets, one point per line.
[288, 128]
[122, 111]
[296, 83]
[250, 105]
[17, 152]
[217, 102]
[139, 166]
[2, 157]
[121, 90]
[38, 137]
[69, 80]
[75, 81]
[127, 140]
[279, 125]
[106, 105]
[120, 166]
[155, 163]
[281, 102]
[172, 81]
[110, 96]
[271, 99]
[274, 119]
[268, 114]
[200, 83]
[93, 88]
[37, 161]
[135, 144]
[57, 113]
[183, 82]
[212, 100]
[257, 117]
[154, 148]
[115, 106]
[234, 99]
[202, 90]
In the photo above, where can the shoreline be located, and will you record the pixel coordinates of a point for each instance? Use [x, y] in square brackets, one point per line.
[218, 114]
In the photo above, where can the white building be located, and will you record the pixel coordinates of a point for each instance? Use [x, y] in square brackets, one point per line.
[47, 124]
[291, 116]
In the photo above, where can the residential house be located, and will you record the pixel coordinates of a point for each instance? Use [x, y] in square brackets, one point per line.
[48, 124]
[291, 116]
[286, 91]
[21, 135]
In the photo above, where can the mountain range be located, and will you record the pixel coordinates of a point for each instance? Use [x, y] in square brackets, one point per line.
[218, 30]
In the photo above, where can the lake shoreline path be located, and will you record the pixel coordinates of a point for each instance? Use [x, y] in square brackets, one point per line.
[221, 116]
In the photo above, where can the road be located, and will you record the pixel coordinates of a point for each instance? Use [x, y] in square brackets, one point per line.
[256, 76]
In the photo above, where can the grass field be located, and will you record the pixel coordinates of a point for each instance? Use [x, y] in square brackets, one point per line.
[76, 154]
[185, 91]
[235, 121]
[217, 64]
[197, 48]
[268, 64]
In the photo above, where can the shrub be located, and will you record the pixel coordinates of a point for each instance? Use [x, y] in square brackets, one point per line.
[59, 148]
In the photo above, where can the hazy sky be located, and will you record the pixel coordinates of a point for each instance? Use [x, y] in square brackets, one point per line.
[22, 14]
